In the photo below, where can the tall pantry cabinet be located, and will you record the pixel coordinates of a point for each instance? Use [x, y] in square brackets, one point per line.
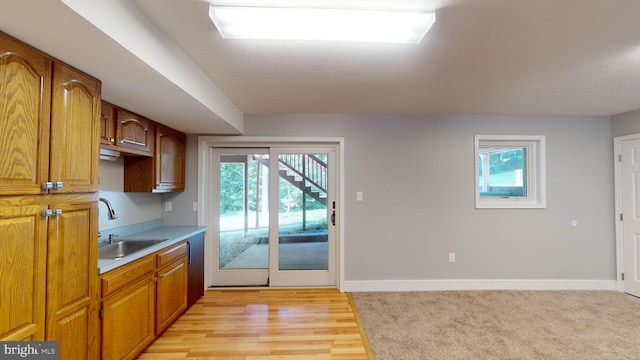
[49, 140]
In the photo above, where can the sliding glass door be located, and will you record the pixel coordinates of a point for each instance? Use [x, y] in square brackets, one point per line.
[242, 199]
[303, 250]
[295, 246]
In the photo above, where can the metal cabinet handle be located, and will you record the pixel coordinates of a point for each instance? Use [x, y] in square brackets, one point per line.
[52, 185]
[51, 212]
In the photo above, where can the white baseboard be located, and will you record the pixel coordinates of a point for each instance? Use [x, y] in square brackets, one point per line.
[445, 285]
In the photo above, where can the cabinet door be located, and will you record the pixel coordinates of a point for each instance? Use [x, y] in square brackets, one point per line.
[107, 124]
[170, 159]
[127, 321]
[74, 130]
[23, 235]
[171, 297]
[72, 280]
[25, 102]
[135, 132]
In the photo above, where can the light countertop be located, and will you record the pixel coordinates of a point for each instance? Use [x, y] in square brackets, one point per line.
[174, 234]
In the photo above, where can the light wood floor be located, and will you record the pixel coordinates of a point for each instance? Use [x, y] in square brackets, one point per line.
[265, 324]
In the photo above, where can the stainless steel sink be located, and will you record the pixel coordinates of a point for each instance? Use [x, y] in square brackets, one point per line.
[124, 248]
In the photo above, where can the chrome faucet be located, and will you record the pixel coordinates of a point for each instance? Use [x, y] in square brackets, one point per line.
[112, 213]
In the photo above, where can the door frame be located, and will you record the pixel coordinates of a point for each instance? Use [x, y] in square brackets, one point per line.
[617, 146]
[205, 143]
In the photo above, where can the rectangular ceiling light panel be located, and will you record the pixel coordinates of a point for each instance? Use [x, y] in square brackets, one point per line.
[321, 24]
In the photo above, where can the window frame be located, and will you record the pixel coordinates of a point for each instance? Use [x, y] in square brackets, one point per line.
[535, 182]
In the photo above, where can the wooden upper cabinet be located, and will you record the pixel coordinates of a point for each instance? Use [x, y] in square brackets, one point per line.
[74, 130]
[48, 125]
[107, 124]
[165, 171]
[170, 158]
[154, 155]
[25, 103]
[135, 133]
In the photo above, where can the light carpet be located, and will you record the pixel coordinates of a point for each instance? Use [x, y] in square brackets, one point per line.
[501, 324]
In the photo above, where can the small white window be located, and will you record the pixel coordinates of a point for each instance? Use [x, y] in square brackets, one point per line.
[510, 171]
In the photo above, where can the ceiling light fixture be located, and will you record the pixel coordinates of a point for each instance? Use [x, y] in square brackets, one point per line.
[237, 22]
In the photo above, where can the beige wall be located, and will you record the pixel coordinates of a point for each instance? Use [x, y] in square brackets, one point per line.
[417, 177]
[418, 182]
[625, 124]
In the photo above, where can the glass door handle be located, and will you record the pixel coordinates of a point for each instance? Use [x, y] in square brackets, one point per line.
[333, 214]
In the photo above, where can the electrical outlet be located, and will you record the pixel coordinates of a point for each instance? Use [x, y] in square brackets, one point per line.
[195, 206]
[168, 206]
[452, 257]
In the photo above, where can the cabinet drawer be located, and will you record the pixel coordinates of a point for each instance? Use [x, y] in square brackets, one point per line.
[166, 257]
[125, 275]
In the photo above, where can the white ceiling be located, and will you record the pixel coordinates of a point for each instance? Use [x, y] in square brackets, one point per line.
[502, 57]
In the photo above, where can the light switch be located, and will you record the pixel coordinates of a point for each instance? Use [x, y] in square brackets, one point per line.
[359, 196]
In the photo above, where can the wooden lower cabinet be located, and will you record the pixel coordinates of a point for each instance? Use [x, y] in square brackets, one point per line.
[48, 271]
[72, 279]
[142, 299]
[171, 294]
[23, 244]
[128, 320]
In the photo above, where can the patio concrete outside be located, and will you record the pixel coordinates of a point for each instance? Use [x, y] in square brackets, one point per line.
[292, 256]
